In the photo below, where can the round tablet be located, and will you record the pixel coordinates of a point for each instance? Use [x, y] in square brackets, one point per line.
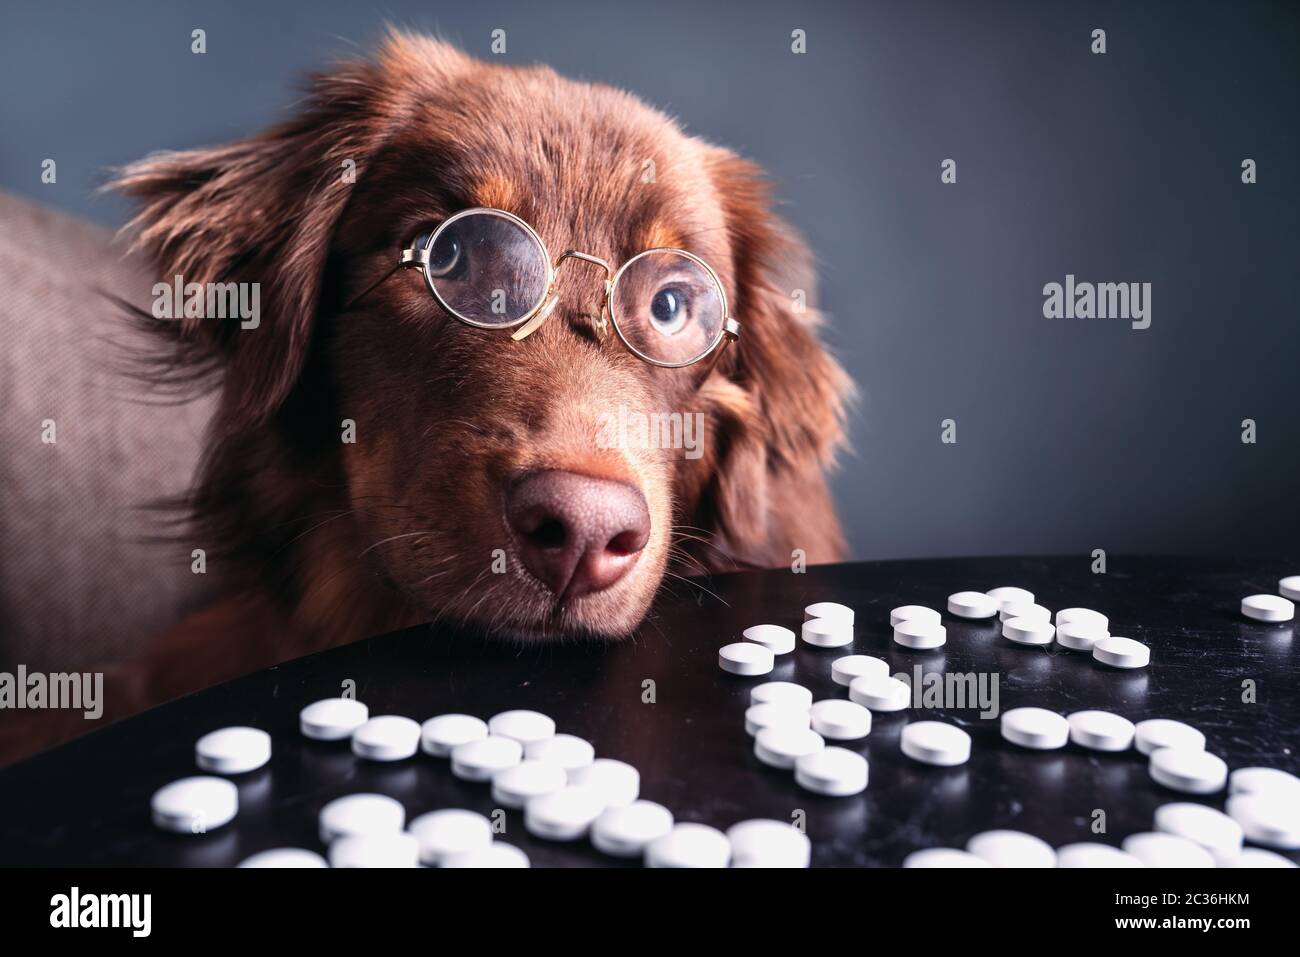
[398, 849]
[625, 831]
[479, 760]
[774, 638]
[1156, 733]
[1255, 857]
[496, 854]
[1189, 770]
[1264, 781]
[1094, 618]
[284, 857]
[689, 845]
[1080, 635]
[1289, 587]
[233, 750]
[828, 609]
[783, 693]
[512, 787]
[766, 843]
[1268, 608]
[1121, 652]
[827, 632]
[360, 814]
[834, 772]
[1012, 849]
[567, 750]
[444, 834]
[972, 604]
[943, 857]
[195, 805]
[618, 783]
[1009, 593]
[523, 726]
[760, 716]
[914, 613]
[1020, 609]
[563, 815]
[1267, 819]
[844, 670]
[1213, 830]
[781, 747]
[745, 658]
[920, 635]
[389, 737]
[934, 742]
[332, 719]
[840, 720]
[1166, 850]
[1092, 854]
[1035, 728]
[880, 693]
[1028, 631]
[441, 735]
[1101, 730]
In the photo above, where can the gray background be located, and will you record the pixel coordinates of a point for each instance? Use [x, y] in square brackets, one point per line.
[1125, 167]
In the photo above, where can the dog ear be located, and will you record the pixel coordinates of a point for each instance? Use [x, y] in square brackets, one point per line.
[779, 399]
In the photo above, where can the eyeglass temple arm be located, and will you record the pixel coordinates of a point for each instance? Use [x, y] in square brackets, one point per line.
[410, 257]
[730, 333]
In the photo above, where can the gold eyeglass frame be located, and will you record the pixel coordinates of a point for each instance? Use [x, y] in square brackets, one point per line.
[530, 321]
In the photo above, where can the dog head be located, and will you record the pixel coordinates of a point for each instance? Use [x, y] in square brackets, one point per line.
[471, 473]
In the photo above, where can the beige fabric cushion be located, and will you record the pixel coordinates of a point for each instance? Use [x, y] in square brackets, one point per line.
[79, 583]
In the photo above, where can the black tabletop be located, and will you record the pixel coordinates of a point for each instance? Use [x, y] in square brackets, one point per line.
[87, 803]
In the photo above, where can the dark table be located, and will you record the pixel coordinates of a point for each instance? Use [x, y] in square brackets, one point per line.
[87, 803]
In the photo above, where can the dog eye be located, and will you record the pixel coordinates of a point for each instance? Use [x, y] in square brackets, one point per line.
[670, 309]
[447, 259]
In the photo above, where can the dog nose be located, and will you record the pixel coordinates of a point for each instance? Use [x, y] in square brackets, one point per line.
[576, 533]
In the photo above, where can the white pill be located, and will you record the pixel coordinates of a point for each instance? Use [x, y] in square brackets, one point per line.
[920, 635]
[513, 787]
[1009, 593]
[973, 604]
[378, 850]
[880, 693]
[943, 857]
[844, 670]
[1035, 728]
[785, 693]
[934, 742]
[745, 658]
[284, 857]
[1121, 652]
[914, 613]
[451, 831]
[1189, 770]
[1166, 850]
[1268, 819]
[1018, 609]
[521, 725]
[567, 750]
[618, 783]
[1268, 608]
[563, 815]
[625, 831]
[781, 747]
[1094, 618]
[689, 845]
[1264, 781]
[1080, 635]
[389, 737]
[479, 760]
[1101, 730]
[767, 843]
[1289, 587]
[233, 750]
[1156, 733]
[332, 719]
[774, 638]
[1092, 854]
[834, 772]
[1012, 849]
[760, 716]
[828, 632]
[1255, 857]
[360, 814]
[441, 735]
[828, 609]
[497, 854]
[1213, 830]
[1028, 631]
[840, 720]
[195, 805]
